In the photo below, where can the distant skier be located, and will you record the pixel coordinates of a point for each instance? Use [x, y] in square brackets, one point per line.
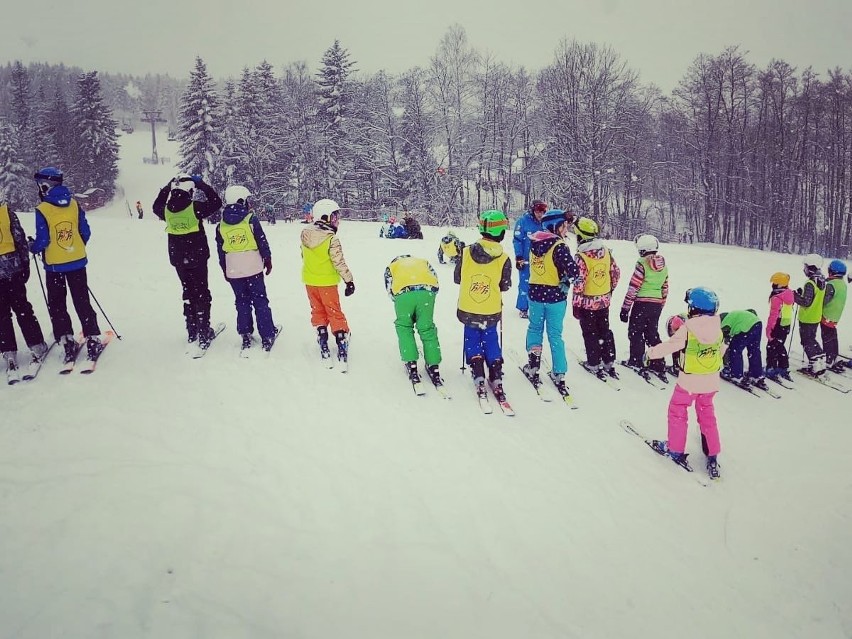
[323, 266]
[412, 284]
[484, 273]
[592, 296]
[643, 303]
[62, 233]
[14, 273]
[701, 341]
[810, 300]
[412, 227]
[832, 309]
[552, 270]
[188, 248]
[245, 256]
[139, 210]
[528, 223]
[450, 248]
[781, 301]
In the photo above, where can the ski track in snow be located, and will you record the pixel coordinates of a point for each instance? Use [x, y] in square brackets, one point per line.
[272, 497]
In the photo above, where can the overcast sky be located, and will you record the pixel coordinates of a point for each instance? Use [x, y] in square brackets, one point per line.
[658, 38]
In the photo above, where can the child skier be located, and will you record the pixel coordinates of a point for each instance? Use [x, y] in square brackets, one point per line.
[451, 248]
[323, 266]
[702, 345]
[643, 304]
[528, 223]
[672, 324]
[598, 276]
[14, 273]
[742, 331]
[412, 285]
[244, 256]
[810, 299]
[552, 269]
[781, 300]
[832, 309]
[188, 248]
[480, 304]
[62, 233]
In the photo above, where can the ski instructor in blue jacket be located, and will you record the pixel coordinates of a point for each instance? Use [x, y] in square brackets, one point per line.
[528, 223]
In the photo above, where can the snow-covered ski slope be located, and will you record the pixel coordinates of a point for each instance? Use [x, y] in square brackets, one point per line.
[167, 497]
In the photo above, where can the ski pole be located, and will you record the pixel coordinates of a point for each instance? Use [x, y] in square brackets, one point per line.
[40, 282]
[101, 308]
[793, 329]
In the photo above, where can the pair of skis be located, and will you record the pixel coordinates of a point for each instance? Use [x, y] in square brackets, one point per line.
[628, 427]
[752, 388]
[826, 379]
[649, 377]
[88, 367]
[499, 395]
[31, 371]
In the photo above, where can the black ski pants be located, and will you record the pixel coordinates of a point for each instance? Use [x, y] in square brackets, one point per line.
[808, 335]
[196, 298]
[642, 331]
[776, 349]
[597, 336]
[829, 343]
[13, 299]
[58, 285]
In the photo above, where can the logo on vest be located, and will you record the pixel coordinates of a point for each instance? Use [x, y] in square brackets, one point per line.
[707, 357]
[237, 239]
[65, 235]
[480, 288]
[537, 264]
[599, 274]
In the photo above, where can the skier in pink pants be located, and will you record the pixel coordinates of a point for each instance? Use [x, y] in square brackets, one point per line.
[702, 345]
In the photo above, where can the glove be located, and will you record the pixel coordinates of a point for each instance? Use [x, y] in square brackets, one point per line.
[520, 263]
[350, 288]
[624, 316]
[197, 179]
[799, 291]
[575, 310]
[267, 264]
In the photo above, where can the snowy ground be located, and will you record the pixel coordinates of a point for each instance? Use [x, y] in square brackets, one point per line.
[165, 497]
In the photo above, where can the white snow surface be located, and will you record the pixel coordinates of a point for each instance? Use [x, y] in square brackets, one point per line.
[270, 497]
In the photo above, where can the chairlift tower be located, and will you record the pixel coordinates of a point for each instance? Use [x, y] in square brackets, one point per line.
[153, 117]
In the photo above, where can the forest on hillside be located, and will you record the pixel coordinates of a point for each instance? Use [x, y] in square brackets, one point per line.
[736, 154]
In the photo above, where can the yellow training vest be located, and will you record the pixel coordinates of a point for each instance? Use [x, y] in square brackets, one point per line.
[181, 222]
[7, 240]
[66, 244]
[449, 248]
[598, 281]
[543, 269]
[238, 238]
[317, 268]
[702, 359]
[479, 292]
[411, 271]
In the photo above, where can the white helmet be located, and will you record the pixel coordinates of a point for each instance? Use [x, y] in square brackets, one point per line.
[812, 260]
[647, 244]
[324, 208]
[237, 194]
[184, 182]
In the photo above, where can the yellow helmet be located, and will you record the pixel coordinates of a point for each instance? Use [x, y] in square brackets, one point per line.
[586, 228]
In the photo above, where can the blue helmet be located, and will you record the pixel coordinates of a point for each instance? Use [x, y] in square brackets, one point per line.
[837, 267]
[553, 218]
[49, 174]
[702, 301]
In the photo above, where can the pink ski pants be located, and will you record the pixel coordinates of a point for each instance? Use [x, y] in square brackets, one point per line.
[679, 420]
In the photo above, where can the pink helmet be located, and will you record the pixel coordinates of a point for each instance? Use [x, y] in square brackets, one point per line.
[674, 323]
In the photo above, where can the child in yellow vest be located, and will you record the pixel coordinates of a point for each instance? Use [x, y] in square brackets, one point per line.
[323, 266]
[810, 298]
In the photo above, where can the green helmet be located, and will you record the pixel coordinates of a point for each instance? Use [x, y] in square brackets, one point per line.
[586, 228]
[493, 223]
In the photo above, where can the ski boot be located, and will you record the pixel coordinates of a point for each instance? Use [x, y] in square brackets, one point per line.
[838, 367]
[531, 368]
[759, 382]
[559, 383]
[94, 347]
[662, 448]
[70, 347]
[772, 374]
[322, 340]
[267, 343]
[11, 359]
[434, 375]
[609, 370]
[413, 373]
[205, 337]
[247, 340]
[712, 467]
[524, 314]
[342, 345]
[495, 379]
[39, 352]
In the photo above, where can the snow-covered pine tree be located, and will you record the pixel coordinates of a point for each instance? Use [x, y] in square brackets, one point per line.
[300, 129]
[418, 164]
[16, 186]
[96, 159]
[199, 125]
[332, 94]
